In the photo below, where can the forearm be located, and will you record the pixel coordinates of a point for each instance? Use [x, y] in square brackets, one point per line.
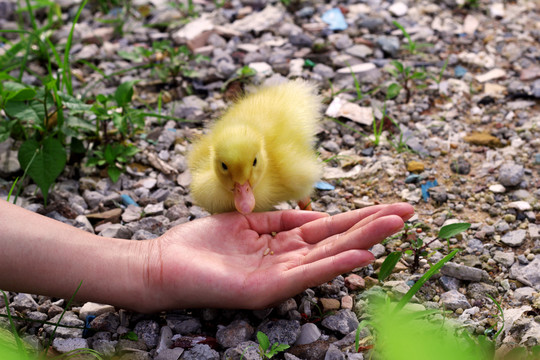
[42, 256]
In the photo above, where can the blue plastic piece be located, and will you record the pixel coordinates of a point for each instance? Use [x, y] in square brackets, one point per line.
[127, 200]
[425, 187]
[335, 19]
[323, 185]
[87, 327]
[460, 71]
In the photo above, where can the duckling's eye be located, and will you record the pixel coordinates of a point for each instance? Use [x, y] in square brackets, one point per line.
[223, 166]
[255, 162]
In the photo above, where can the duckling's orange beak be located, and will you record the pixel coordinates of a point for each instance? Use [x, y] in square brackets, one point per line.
[244, 200]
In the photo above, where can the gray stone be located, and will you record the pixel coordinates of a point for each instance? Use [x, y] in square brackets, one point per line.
[331, 146]
[344, 321]
[389, 44]
[132, 213]
[378, 250]
[69, 319]
[480, 290]
[527, 274]
[524, 293]
[170, 354]
[462, 272]
[234, 334]
[92, 198]
[333, 353]
[504, 258]
[514, 238]
[449, 283]
[360, 51]
[453, 300]
[67, 345]
[286, 306]
[281, 331]
[511, 174]
[23, 302]
[183, 324]
[301, 40]
[309, 333]
[340, 41]
[106, 322]
[324, 71]
[165, 336]
[148, 331]
[398, 9]
[248, 350]
[117, 231]
[200, 352]
[105, 347]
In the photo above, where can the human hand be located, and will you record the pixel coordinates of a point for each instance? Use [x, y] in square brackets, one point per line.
[233, 261]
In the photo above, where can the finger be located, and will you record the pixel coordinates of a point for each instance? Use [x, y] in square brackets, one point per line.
[276, 221]
[359, 238]
[403, 210]
[315, 273]
[318, 230]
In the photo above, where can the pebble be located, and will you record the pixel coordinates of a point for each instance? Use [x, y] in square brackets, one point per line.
[462, 272]
[68, 345]
[344, 321]
[514, 238]
[398, 9]
[309, 333]
[511, 174]
[454, 300]
[234, 334]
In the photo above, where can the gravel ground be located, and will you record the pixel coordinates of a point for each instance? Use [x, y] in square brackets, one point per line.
[474, 129]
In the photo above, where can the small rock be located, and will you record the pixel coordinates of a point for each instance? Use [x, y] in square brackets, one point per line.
[497, 10]
[148, 331]
[460, 166]
[491, 75]
[511, 174]
[200, 352]
[234, 334]
[497, 189]
[117, 231]
[520, 205]
[389, 44]
[514, 238]
[415, 166]
[359, 50]
[330, 304]
[106, 322]
[68, 345]
[483, 139]
[357, 69]
[24, 302]
[355, 282]
[454, 300]
[504, 258]
[170, 354]
[398, 9]
[281, 331]
[309, 333]
[462, 272]
[343, 322]
[347, 302]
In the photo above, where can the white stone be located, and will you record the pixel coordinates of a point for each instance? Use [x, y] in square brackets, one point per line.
[261, 68]
[497, 10]
[66, 345]
[497, 188]
[398, 9]
[91, 308]
[296, 67]
[259, 21]
[494, 90]
[337, 173]
[520, 205]
[470, 24]
[358, 68]
[193, 29]
[491, 75]
[481, 59]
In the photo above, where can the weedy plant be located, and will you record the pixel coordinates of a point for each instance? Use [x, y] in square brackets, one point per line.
[265, 350]
[12, 347]
[418, 247]
[412, 46]
[407, 78]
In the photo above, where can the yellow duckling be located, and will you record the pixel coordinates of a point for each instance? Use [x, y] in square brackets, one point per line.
[260, 152]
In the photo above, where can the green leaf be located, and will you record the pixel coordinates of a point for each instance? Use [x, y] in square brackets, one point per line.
[74, 104]
[45, 161]
[32, 112]
[131, 56]
[393, 91]
[124, 93]
[418, 75]
[114, 173]
[18, 92]
[5, 129]
[76, 122]
[398, 65]
[388, 264]
[264, 343]
[451, 230]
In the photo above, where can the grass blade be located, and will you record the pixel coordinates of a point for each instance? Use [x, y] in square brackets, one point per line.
[65, 68]
[432, 271]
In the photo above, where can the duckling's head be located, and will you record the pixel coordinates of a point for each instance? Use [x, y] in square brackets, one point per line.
[240, 163]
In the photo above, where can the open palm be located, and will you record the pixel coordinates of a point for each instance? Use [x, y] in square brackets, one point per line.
[255, 260]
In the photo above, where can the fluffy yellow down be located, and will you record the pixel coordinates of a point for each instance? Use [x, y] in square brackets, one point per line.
[263, 142]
